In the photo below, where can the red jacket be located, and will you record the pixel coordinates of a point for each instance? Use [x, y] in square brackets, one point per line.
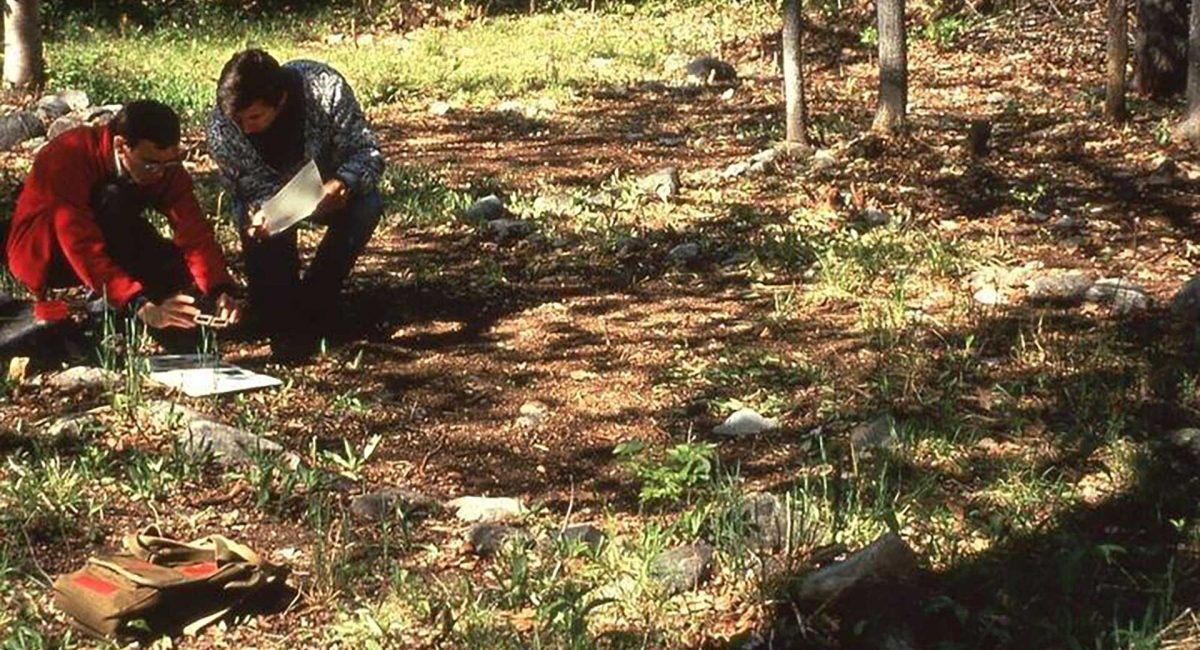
[54, 211]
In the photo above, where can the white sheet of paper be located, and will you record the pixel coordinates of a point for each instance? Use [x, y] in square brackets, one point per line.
[200, 376]
[294, 201]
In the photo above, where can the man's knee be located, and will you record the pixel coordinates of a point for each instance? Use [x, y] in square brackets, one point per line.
[367, 209]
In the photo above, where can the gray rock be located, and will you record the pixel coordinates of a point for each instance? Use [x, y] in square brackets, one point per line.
[873, 218]
[664, 183]
[602, 200]
[81, 378]
[989, 296]
[764, 162]
[745, 422]
[94, 116]
[822, 160]
[683, 568]
[1066, 224]
[768, 156]
[18, 127]
[887, 560]
[488, 539]
[711, 70]
[684, 253]
[736, 169]
[390, 502]
[630, 246]
[52, 107]
[486, 509]
[585, 535]
[531, 414]
[73, 426]
[766, 519]
[1124, 296]
[879, 433]
[439, 108]
[558, 204]
[1186, 303]
[1059, 286]
[202, 436]
[229, 446]
[486, 209]
[507, 230]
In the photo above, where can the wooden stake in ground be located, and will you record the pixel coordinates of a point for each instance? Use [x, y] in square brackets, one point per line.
[793, 73]
[1118, 55]
[893, 67]
[24, 66]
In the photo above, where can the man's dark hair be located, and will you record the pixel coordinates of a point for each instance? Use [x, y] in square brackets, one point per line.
[147, 119]
[250, 76]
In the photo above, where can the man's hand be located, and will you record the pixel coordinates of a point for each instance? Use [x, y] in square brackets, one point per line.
[334, 195]
[176, 311]
[257, 229]
[229, 308]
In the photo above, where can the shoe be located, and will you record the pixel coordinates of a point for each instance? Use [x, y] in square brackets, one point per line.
[293, 349]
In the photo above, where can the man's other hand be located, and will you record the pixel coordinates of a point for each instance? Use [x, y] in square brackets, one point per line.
[176, 311]
[229, 309]
[257, 229]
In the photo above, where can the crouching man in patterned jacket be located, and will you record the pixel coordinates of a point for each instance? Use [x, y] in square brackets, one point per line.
[270, 120]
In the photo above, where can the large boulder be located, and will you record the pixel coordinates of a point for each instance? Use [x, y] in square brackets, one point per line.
[52, 107]
[18, 127]
[683, 568]
[201, 436]
[95, 116]
[711, 70]
[887, 560]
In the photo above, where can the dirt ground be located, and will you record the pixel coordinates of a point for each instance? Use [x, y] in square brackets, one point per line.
[446, 335]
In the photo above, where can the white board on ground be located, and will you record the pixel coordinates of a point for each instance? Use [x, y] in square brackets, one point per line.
[295, 201]
[201, 375]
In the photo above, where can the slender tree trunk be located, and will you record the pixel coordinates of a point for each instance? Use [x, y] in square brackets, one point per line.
[23, 64]
[1189, 128]
[1118, 55]
[893, 67]
[1193, 69]
[793, 73]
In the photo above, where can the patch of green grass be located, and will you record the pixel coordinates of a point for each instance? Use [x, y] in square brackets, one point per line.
[945, 31]
[47, 496]
[548, 55]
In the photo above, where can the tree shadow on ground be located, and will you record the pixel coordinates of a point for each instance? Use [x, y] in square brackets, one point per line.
[1108, 571]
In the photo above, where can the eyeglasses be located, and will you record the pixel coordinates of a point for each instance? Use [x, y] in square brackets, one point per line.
[159, 167]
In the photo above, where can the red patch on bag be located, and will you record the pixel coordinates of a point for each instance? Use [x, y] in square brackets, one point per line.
[202, 570]
[92, 583]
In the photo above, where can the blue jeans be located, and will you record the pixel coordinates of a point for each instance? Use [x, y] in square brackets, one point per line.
[285, 301]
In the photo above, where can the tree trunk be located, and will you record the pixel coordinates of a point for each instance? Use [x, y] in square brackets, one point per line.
[1189, 129]
[1160, 49]
[893, 67]
[793, 73]
[1118, 55]
[23, 63]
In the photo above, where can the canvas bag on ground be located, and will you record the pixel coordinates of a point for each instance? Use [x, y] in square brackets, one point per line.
[163, 586]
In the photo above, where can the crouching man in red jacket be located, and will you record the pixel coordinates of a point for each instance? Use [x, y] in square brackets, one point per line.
[79, 221]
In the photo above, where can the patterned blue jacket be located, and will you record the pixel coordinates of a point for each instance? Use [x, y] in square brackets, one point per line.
[336, 135]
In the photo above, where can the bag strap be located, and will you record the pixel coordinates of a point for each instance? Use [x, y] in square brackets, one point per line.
[151, 546]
